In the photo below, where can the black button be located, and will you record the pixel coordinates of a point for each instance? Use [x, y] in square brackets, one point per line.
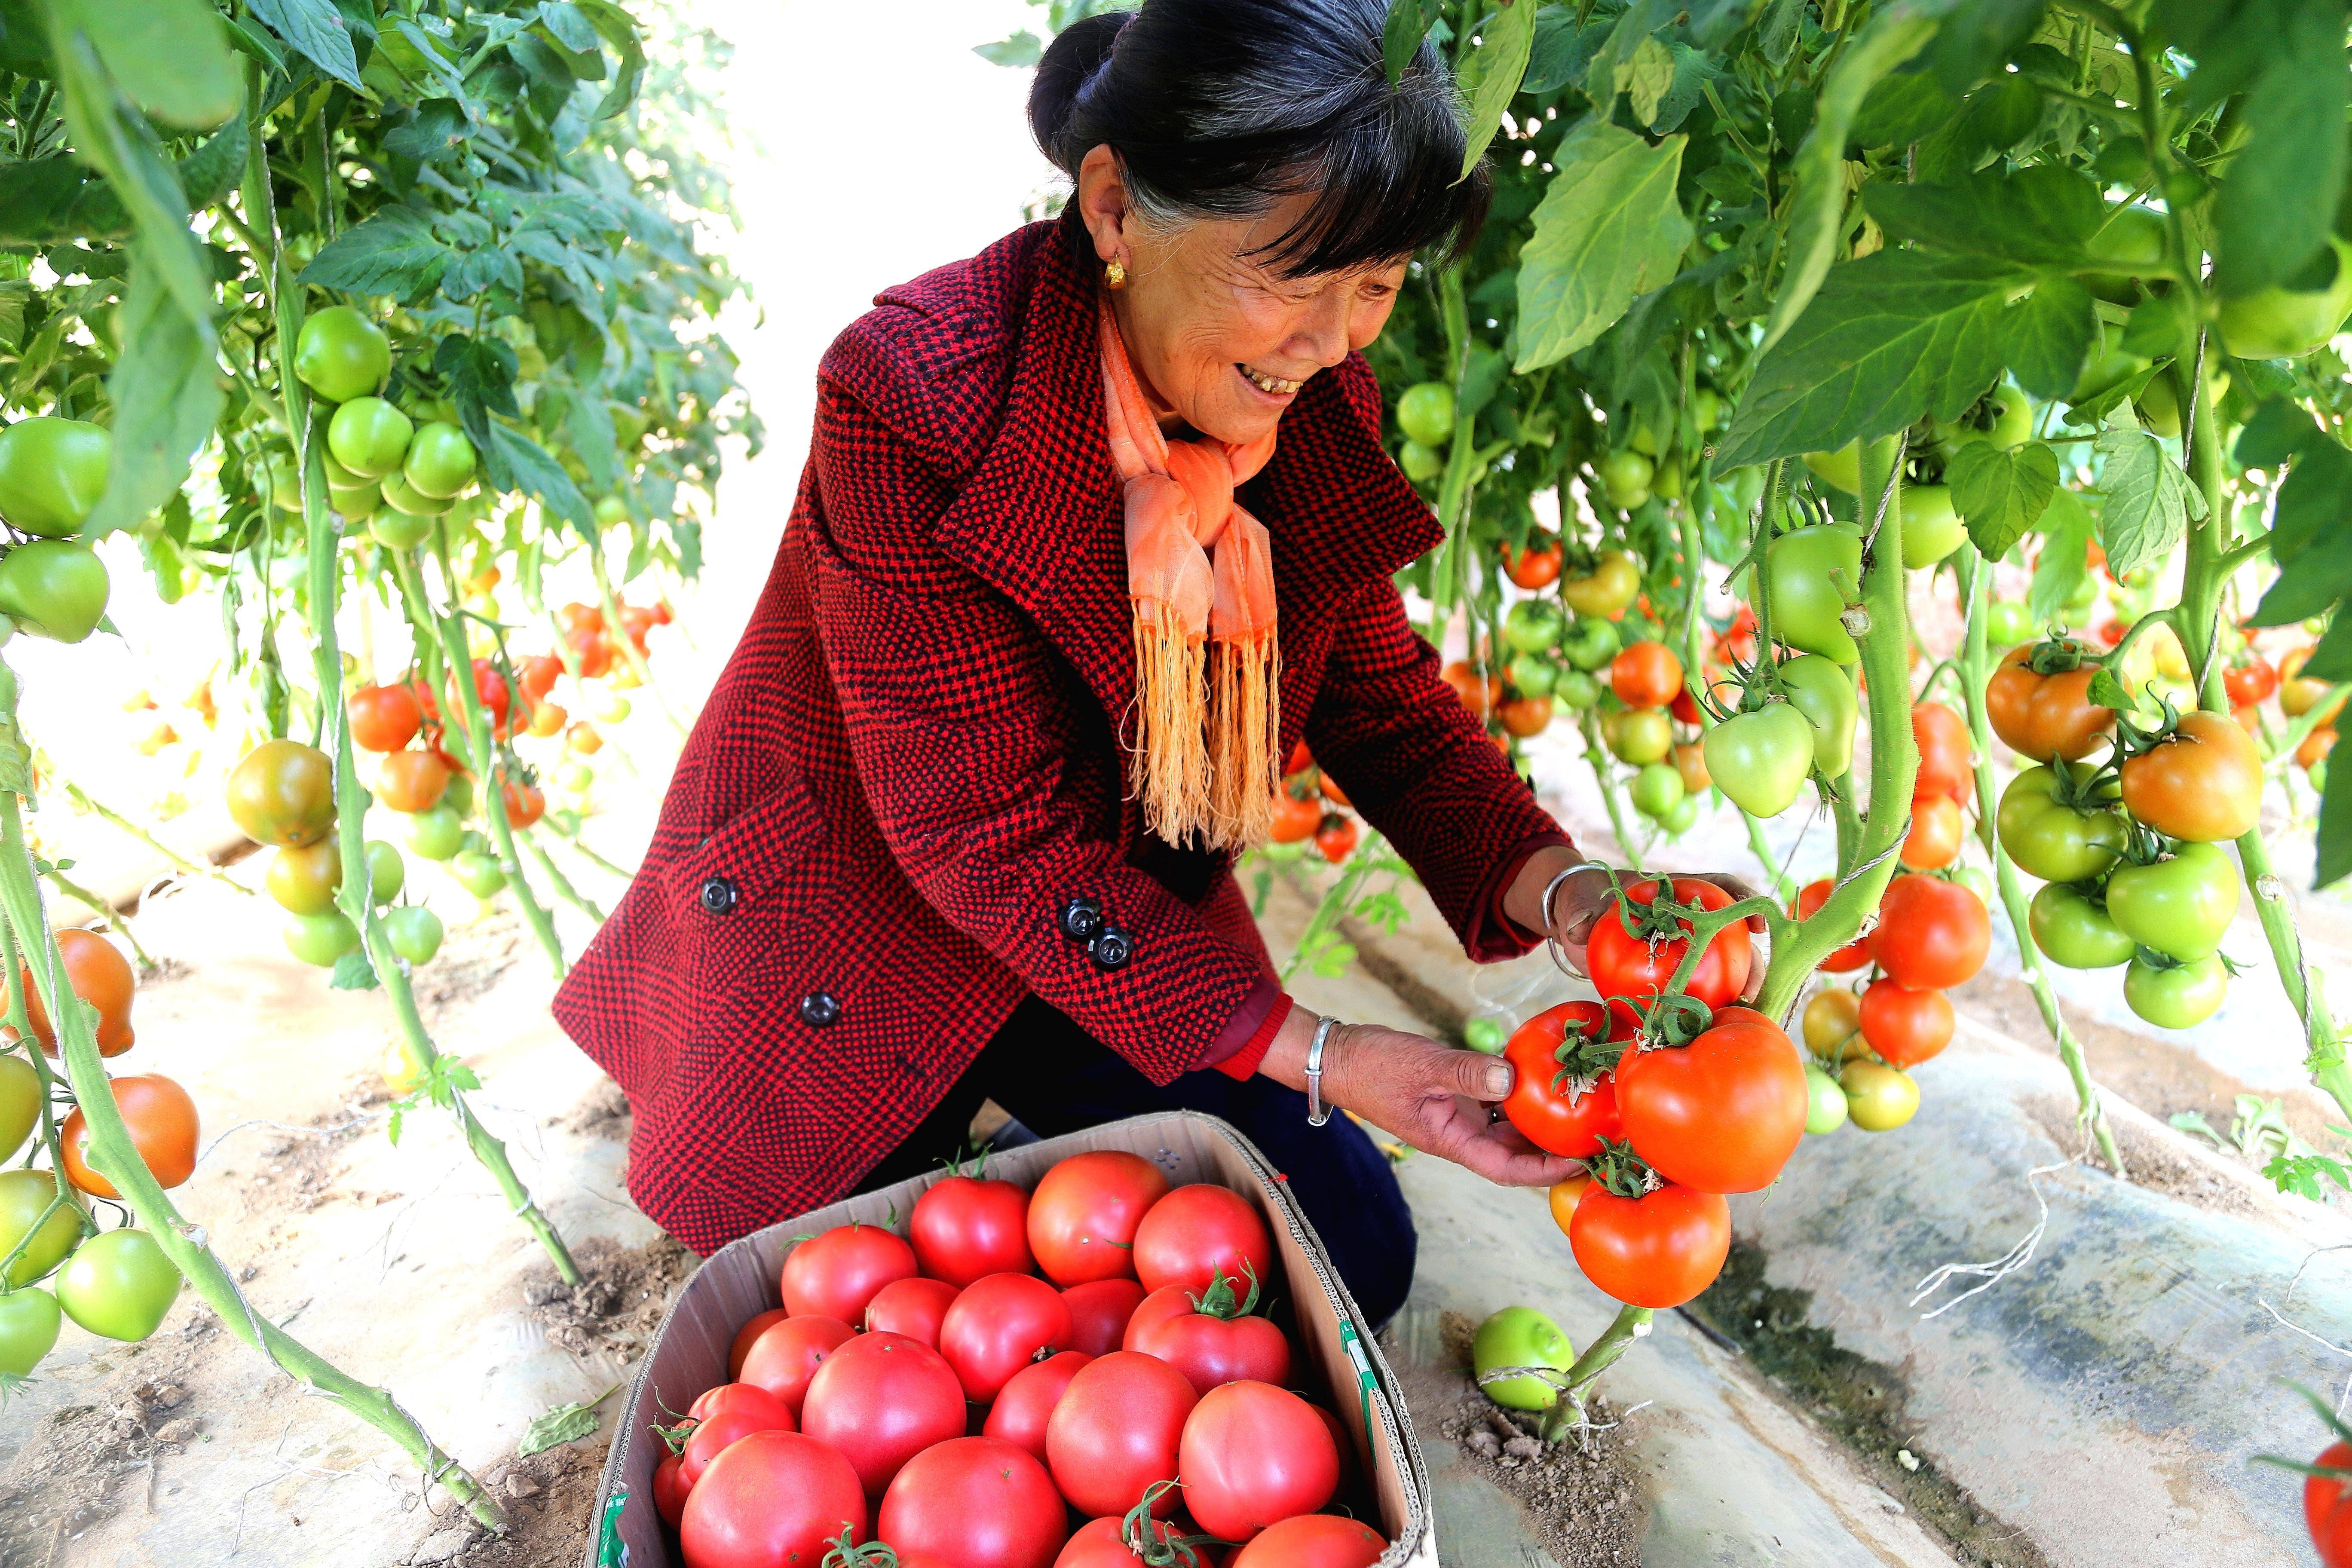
[819, 1010]
[1111, 948]
[1081, 916]
[718, 896]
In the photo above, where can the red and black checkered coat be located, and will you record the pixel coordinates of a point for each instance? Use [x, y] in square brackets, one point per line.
[911, 759]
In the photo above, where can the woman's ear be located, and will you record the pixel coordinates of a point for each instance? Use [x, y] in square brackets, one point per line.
[1101, 198]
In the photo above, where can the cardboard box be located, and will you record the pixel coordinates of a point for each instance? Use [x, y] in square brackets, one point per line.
[1341, 1361]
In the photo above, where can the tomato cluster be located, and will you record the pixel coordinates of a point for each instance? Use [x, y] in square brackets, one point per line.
[1310, 808]
[1090, 1352]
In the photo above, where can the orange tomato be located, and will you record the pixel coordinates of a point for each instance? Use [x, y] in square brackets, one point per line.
[1533, 567]
[524, 801]
[1336, 838]
[1479, 697]
[1942, 738]
[100, 976]
[1295, 820]
[2039, 716]
[1855, 955]
[1690, 760]
[1646, 675]
[1905, 1026]
[383, 718]
[1937, 829]
[1331, 791]
[162, 1122]
[2203, 782]
[547, 718]
[583, 739]
[1526, 716]
[412, 781]
[539, 672]
[2315, 746]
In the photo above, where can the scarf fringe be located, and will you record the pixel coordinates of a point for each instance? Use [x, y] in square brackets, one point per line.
[1244, 721]
[1171, 770]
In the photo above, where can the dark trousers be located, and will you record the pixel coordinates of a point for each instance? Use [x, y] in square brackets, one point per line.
[1055, 1078]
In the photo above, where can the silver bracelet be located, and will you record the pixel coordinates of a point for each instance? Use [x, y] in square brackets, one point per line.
[1317, 1113]
[1551, 941]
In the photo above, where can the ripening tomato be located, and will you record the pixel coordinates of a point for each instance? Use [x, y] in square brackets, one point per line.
[412, 781]
[1905, 1027]
[670, 1492]
[283, 793]
[2250, 682]
[1207, 1347]
[97, 971]
[1628, 971]
[1295, 820]
[1606, 589]
[1658, 1250]
[785, 1355]
[1646, 675]
[162, 1123]
[976, 1502]
[772, 1498]
[915, 1308]
[1721, 1114]
[1532, 568]
[1830, 1020]
[1116, 1432]
[538, 674]
[881, 1399]
[1855, 955]
[2314, 748]
[2322, 1494]
[1197, 1232]
[383, 718]
[1024, 1406]
[2298, 694]
[2203, 782]
[1479, 696]
[965, 1228]
[1561, 1111]
[490, 687]
[725, 1414]
[1099, 1312]
[1251, 1456]
[1313, 1540]
[998, 1325]
[2039, 702]
[1526, 717]
[525, 802]
[1083, 1214]
[1942, 738]
[1932, 934]
[836, 1273]
[1336, 839]
[1937, 829]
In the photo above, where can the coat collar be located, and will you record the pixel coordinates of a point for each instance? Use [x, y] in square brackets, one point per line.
[1039, 516]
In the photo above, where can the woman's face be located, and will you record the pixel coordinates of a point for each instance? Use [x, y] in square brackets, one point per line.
[1218, 339]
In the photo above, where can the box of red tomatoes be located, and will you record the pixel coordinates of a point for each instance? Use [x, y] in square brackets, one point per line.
[1122, 1344]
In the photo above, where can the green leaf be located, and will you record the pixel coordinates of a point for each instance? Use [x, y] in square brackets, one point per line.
[1493, 72]
[540, 475]
[1647, 77]
[2039, 216]
[2092, 412]
[2108, 691]
[2065, 559]
[2048, 335]
[313, 30]
[1562, 50]
[2276, 208]
[2332, 659]
[393, 252]
[352, 973]
[1023, 48]
[2147, 501]
[440, 128]
[619, 29]
[1400, 34]
[2278, 430]
[171, 57]
[167, 397]
[2335, 847]
[2322, 576]
[570, 28]
[1904, 107]
[1893, 336]
[2001, 494]
[564, 1423]
[2314, 501]
[2158, 327]
[1608, 229]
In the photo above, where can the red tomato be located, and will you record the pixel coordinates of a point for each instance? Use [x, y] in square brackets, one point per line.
[1905, 1026]
[1116, 1432]
[1336, 839]
[1559, 1112]
[775, 1498]
[1099, 1310]
[1101, 1543]
[1083, 1216]
[745, 1336]
[1943, 738]
[1932, 934]
[2334, 1536]
[1206, 1349]
[1855, 955]
[787, 1354]
[836, 1275]
[964, 1227]
[999, 1325]
[1197, 1232]
[2321, 1494]
[1299, 760]
[1937, 829]
[1253, 1455]
[1534, 567]
[915, 1308]
[1721, 1114]
[731, 1410]
[1685, 707]
[524, 801]
[1629, 972]
[1026, 1403]
[1313, 1540]
[538, 674]
[1657, 1250]
[2250, 683]
[1646, 675]
[670, 1492]
[1295, 820]
[635, 623]
[491, 687]
[383, 718]
[882, 1399]
[977, 1502]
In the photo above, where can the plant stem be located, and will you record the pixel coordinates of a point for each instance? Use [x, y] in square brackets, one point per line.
[84, 801]
[1598, 755]
[557, 880]
[104, 909]
[1630, 1325]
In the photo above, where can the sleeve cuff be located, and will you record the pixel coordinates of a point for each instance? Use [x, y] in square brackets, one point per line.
[1497, 935]
[1243, 1043]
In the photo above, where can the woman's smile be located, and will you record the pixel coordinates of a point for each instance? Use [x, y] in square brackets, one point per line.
[1272, 387]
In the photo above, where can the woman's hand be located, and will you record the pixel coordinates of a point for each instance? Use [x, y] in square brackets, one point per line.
[1586, 895]
[1434, 1098]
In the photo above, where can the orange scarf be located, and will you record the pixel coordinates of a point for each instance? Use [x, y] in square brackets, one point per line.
[1200, 573]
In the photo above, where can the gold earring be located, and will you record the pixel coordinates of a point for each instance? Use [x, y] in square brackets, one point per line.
[1114, 274]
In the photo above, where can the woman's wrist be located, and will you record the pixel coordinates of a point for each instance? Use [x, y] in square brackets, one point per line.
[1523, 900]
[1286, 1057]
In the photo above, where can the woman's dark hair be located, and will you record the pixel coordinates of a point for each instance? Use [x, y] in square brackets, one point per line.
[1220, 107]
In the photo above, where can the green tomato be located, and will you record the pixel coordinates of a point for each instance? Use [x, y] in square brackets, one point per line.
[440, 461]
[2180, 997]
[1420, 463]
[1879, 1098]
[1658, 789]
[2181, 907]
[340, 478]
[320, 939]
[1590, 643]
[369, 437]
[2280, 322]
[1813, 573]
[399, 531]
[386, 874]
[20, 1103]
[1426, 413]
[1643, 440]
[1626, 474]
[1683, 817]
[2008, 622]
[52, 472]
[24, 1195]
[55, 588]
[1842, 467]
[1521, 1336]
[1706, 408]
[577, 778]
[414, 933]
[1931, 529]
[1825, 1108]
[1760, 760]
[2073, 929]
[438, 834]
[1975, 881]
[341, 354]
[2318, 776]
[1282, 854]
[2052, 841]
[1486, 1035]
[1824, 694]
[1639, 735]
[1532, 675]
[1667, 482]
[459, 798]
[1576, 690]
[1532, 626]
[119, 1284]
[478, 872]
[399, 496]
[30, 1321]
[2133, 236]
[2107, 370]
[355, 504]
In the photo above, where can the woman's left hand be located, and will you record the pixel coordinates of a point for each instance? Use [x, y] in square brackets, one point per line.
[1586, 895]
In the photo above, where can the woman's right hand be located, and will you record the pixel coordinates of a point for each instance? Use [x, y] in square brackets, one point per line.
[1437, 1099]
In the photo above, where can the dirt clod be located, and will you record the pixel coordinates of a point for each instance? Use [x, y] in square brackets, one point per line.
[622, 1295]
[604, 1113]
[550, 1508]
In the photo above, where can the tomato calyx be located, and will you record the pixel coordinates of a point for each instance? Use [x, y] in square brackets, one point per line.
[675, 1436]
[1222, 1299]
[2060, 656]
[1585, 1056]
[1618, 1171]
[847, 1553]
[2134, 740]
[1157, 1542]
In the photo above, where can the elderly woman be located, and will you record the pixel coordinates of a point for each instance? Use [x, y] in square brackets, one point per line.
[1096, 525]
